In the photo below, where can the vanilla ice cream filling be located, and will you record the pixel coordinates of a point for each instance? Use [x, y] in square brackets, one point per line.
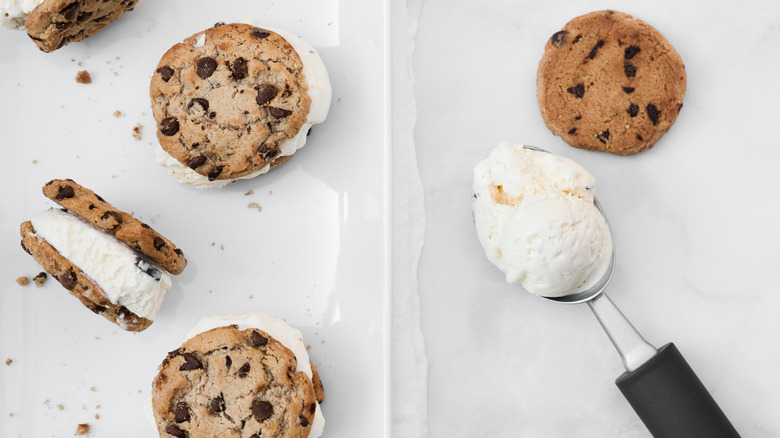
[126, 277]
[13, 13]
[537, 221]
[319, 90]
[277, 329]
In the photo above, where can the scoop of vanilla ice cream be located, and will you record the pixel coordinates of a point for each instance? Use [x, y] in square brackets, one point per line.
[536, 219]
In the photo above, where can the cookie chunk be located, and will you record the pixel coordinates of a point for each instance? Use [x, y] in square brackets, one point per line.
[610, 82]
[77, 283]
[129, 230]
[227, 101]
[228, 382]
[55, 23]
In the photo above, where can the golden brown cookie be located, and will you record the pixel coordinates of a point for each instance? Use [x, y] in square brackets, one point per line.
[610, 82]
[129, 230]
[226, 98]
[230, 383]
[55, 23]
[77, 283]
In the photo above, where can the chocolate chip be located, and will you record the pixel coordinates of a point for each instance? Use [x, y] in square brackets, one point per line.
[212, 114]
[219, 23]
[303, 421]
[68, 279]
[190, 363]
[257, 339]
[205, 67]
[603, 136]
[83, 16]
[165, 73]
[178, 251]
[228, 361]
[578, 118]
[70, 11]
[63, 25]
[639, 137]
[558, 39]
[628, 90]
[182, 413]
[257, 435]
[169, 126]
[265, 93]
[143, 225]
[313, 408]
[159, 242]
[97, 309]
[630, 52]
[578, 90]
[92, 206]
[629, 69]
[262, 410]
[25, 248]
[200, 101]
[175, 431]
[572, 131]
[652, 113]
[217, 404]
[116, 222]
[633, 110]
[595, 49]
[238, 68]
[196, 162]
[279, 112]
[148, 268]
[99, 198]
[576, 39]
[260, 33]
[64, 192]
[244, 370]
[214, 172]
[123, 312]
[267, 152]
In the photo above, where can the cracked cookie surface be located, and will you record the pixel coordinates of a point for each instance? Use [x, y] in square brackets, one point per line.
[228, 382]
[226, 98]
[55, 23]
[132, 232]
[610, 82]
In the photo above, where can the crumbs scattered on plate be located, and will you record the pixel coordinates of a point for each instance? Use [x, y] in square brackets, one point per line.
[255, 205]
[23, 281]
[82, 429]
[137, 131]
[40, 279]
[83, 77]
[9, 361]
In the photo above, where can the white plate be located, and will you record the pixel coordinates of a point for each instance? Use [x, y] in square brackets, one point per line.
[316, 255]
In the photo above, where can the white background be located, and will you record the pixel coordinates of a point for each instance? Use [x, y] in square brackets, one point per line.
[316, 255]
[695, 221]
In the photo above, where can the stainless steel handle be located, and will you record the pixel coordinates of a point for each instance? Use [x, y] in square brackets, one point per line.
[634, 350]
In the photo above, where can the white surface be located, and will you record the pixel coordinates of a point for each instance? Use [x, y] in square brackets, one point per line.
[111, 264]
[316, 255]
[694, 219]
[535, 217]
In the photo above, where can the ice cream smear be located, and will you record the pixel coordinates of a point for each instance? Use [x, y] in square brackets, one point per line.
[536, 220]
[126, 277]
[318, 89]
[13, 13]
[277, 329]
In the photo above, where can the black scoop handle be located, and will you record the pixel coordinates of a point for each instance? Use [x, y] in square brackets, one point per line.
[671, 400]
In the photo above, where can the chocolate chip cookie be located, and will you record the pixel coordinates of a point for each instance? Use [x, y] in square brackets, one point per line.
[610, 82]
[228, 382]
[227, 98]
[77, 283]
[129, 230]
[55, 23]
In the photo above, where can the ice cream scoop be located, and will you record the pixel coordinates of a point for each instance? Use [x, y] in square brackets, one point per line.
[658, 383]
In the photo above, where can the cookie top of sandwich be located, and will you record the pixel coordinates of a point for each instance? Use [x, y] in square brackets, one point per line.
[132, 232]
[233, 383]
[610, 82]
[227, 98]
[55, 23]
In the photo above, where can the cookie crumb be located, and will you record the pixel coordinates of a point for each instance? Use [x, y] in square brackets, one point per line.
[117, 113]
[92, 388]
[137, 132]
[23, 281]
[82, 429]
[308, 346]
[40, 279]
[83, 77]
[35, 161]
[250, 192]
[9, 361]
[255, 205]
[97, 416]
[10, 414]
[79, 64]
[61, 407]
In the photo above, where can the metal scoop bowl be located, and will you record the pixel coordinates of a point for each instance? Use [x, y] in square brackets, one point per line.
[658, 383]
